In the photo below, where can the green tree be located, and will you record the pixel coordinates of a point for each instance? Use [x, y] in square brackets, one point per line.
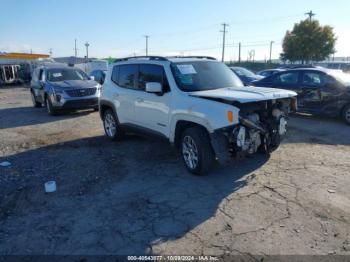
[308, 41]
[110, 60]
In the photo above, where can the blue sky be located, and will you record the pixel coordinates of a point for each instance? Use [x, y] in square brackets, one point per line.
[116, 28]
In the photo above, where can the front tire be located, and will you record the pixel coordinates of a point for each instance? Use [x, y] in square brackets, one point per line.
[35, 103]
[197, 152]
[49, 108]
[111, 126]
[346, 114]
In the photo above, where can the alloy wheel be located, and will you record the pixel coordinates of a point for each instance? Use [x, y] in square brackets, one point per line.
[33, 99]
[110, 125]
[48, 107]
[190, 152]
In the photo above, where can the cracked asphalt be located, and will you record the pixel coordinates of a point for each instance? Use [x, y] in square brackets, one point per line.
[135, 196]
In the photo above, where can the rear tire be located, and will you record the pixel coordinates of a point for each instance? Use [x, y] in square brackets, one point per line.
[346, 114]
[49, 108]
[35, 103]
[196, 150]
[111, 126]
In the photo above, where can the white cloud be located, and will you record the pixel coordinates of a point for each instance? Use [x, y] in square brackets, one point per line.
[15, 47]
[342, 44]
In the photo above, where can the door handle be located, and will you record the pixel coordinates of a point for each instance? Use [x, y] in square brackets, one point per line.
[139, 100]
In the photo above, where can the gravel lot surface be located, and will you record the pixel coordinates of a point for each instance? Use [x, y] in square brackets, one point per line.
[135, 196]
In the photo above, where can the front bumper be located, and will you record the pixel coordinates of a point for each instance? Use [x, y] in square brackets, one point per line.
[247, 138]
[63, 101]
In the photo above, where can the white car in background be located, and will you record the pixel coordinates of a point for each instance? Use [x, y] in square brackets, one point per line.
[93, 65]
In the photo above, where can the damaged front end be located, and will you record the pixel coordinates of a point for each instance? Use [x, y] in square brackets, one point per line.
[262, 126]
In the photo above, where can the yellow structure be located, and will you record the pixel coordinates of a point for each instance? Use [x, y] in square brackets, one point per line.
[23, 56]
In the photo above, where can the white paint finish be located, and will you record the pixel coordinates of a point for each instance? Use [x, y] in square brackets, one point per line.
[161, 113]
[245, 94]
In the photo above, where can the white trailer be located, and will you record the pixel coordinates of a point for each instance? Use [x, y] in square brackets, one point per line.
[93, 65]
[9, 74]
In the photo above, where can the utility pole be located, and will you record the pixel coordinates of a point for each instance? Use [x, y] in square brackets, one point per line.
[239, 52]
[146, 36]
[75, 49]
[310, 14]
[271, 43]
[87, 50]
[223, 41]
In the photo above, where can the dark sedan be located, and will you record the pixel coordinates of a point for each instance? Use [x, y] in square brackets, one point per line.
[246, 76]
[320, 91]
[269, 72]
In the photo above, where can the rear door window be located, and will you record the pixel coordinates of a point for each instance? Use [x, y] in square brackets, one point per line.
[41, 74]
[115, 74]
[312, 79]
[290, 78]
[127, 76]
[150, 73]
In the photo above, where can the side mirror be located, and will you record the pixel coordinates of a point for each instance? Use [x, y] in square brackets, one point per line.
[154, 87]
[92, 78]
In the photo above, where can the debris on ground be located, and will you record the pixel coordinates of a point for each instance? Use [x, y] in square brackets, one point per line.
[5, 164]
[50, 186]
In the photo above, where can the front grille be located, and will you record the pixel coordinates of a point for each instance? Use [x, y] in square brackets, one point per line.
[81, 92]
[81, 103]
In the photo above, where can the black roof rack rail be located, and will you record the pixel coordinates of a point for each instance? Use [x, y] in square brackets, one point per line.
[159, 58]
[203, 57]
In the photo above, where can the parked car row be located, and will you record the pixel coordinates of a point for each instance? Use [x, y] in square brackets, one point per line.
[197, 103]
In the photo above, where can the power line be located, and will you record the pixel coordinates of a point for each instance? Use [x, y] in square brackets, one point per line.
[265, 20]
[187, 32]
[223, 40]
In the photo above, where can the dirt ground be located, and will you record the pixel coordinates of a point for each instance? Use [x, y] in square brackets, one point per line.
[135, 196]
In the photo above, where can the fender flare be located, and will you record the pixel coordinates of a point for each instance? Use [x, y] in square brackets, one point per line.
[109, 104]
[189, 118]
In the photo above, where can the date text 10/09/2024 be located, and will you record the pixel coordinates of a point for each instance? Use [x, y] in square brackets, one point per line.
[172, 258]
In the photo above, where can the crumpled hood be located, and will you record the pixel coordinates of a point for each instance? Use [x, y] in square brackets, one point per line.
[245, 94]
[73, 84]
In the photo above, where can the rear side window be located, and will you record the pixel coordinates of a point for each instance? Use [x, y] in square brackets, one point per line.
[313, 79]
[41, 71]
[115, 74]
[150, 73]
[287, 78]
[266, 73]
[127, 76]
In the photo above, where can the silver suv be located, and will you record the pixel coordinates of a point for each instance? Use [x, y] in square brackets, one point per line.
[61, 87]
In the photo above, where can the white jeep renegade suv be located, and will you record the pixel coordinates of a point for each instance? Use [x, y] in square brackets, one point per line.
[196, 103]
